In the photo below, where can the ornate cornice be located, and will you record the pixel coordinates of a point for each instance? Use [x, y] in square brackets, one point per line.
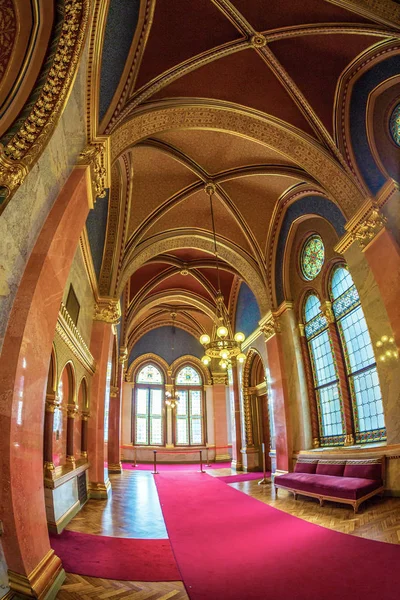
[69, 333]
[97, 156]
[219, 378]
[107, 310]
[367, 223]
[26, 145]
[270, 325]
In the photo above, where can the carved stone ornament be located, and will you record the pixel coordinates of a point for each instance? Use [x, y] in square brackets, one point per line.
[123, 355]
[258, 40]
[52, 402]
[28, 142]
[219, 378]
[95, 156]
[113, 391]
[108, 311]
[72, 411]
[271, 327]
[327, 311]
[369, 227]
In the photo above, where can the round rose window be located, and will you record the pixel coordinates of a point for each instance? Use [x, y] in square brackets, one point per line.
[312, 257]
[394, 124]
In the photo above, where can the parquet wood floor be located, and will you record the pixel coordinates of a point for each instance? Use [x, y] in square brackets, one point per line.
[378, 519]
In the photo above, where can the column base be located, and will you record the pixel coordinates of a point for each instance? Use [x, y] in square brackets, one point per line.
[43, 582]
[222, 457]
[115, 468]
[237, 465]
[71, 461]
[100, 490]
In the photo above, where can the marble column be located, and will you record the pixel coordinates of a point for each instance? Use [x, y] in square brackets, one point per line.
[326, 309]
[278, 388]
[72, 412]
[51, 404]
[34, 569]
[312, 400]
[101, 349]
[220, 417]
[234, 392]
[84, 435]
[114, 425]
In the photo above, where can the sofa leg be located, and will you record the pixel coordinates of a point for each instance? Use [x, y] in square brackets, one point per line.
[355, 506]
[276, 492]
[295, 495]
[321, 501]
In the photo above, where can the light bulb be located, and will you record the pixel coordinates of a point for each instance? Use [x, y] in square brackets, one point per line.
[388, 353]
[222, 331]
[205, 360]
[224, 354]
[241, 357]
[391, 340]
[239, 337]
[384, 338]
[379, 344]
[223, 364]
[382, 357]
[204, 339]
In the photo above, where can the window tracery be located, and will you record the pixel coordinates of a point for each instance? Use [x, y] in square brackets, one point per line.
[312, 257]
[394, 124]
[149, 407]
[189, 421]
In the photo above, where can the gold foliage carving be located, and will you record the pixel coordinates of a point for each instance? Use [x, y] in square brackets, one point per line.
[8, 30]
[270, 326]
[28, 142]
[107, 310]
[369, 227]
[96, 157]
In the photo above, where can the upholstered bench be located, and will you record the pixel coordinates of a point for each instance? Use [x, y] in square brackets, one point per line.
[350, 481]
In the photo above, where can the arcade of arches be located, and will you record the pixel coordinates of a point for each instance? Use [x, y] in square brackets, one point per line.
[113, 121]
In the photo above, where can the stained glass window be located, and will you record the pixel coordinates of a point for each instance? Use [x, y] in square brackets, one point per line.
[360, 359]
[188, 376]
[149, 374]
[326, 380]
[189, 411]
[394, 124]
[312, 257]
[149, 407]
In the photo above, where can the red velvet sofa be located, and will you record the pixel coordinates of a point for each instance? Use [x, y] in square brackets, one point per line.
[350, 481]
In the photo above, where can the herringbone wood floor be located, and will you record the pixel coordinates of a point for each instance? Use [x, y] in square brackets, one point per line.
[378, 519]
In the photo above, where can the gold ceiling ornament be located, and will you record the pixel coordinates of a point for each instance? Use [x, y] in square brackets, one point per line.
[96, 156]
[224, 343]
[107, 310]
[258, 40]
[26, 145]
[369, 227]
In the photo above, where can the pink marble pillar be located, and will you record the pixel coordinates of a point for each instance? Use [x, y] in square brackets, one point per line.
[220, 420]
[237, 461]
[383, 256]
[279, 396]
[114, 424]
[101, 348]
[34, 569]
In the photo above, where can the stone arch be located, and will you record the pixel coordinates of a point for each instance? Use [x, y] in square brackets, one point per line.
[237, 120]
[83, 395]
[69, 369]
[194, 362]
[230, 254]
[144, 359]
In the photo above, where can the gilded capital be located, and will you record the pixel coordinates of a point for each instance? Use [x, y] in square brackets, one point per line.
[123, 355]
[85, 416]
[219, 378]
[52, 402]
[327, 311]
[108, 311]
[114, 391]
[72, 411]
[95, 155]
[270, 327]
[301, 330]
[369, 227]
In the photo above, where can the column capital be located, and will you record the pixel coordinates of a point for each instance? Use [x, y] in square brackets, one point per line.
[123, 355]
[302, 329]
[270, 325]
[114, 391]
[219, 378]
[107, 310]
[326, 309]
[85, 416]
[72, 411]
[363, 227]
[52, 402]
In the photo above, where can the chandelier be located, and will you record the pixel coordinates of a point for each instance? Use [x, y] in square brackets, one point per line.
[223, 344]
[172, 399]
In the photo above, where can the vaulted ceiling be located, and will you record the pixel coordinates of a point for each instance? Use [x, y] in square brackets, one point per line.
[278, 62]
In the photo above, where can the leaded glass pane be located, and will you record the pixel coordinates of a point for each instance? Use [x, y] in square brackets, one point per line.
[322, 358]
[312, 257]
[182, 406]
[341, 282]
[316, 325]
[312, 307]
[156, 436]
[369, 413]
[149, 374]
[182, 436]
[195, 400]
[141, 401]
[156, 402]
[346, 302]
[196, 430]
[188, 376]
[394, 124]
[359, 350]
[330, 411]
[141, 430]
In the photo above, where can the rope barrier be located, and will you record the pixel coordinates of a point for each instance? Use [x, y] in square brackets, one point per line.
[175, 452]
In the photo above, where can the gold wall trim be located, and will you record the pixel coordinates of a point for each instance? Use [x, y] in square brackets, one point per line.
[25, 147]
[69, 333]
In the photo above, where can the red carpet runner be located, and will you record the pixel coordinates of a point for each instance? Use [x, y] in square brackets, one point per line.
[115, 558]
[236, 477]
[229, 546]
[175, 467]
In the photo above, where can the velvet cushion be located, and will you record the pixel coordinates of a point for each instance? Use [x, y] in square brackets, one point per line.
[350, 488]
[305, 467]
[330, 469]
[366, 471]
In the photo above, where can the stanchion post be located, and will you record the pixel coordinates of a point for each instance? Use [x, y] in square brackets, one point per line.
[134, 464]
[155, 472]
[201, 462]
[208, 460]
[264, 480]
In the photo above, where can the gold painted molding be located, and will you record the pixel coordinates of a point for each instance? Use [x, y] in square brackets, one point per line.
[107, 310]
[25, 147]
[40, 581]
[219, 378]
[97, 157]
[70, 335]
[365, 225]
[386, 11]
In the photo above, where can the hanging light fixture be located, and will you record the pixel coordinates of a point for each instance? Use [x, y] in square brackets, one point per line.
[172, 398]
[223, 344]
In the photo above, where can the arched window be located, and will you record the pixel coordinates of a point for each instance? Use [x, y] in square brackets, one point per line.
[326, 379]
[189, 421]
[149, 407]
[369, 423]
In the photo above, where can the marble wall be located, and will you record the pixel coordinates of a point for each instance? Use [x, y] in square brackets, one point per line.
[24, 216]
